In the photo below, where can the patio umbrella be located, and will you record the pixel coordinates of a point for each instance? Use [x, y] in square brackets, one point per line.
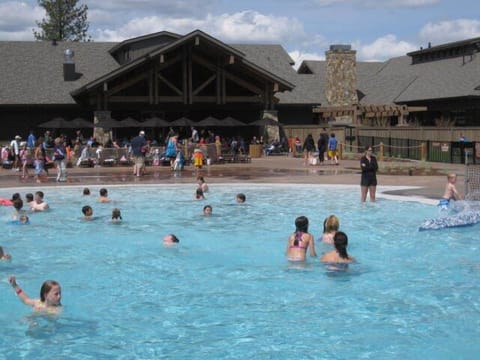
[155, 122]
[183, 121]
[209, 122]
[55, 123]
[107, 123]
[230, 121]
[81, 123]
[128, 122]
[265, 122]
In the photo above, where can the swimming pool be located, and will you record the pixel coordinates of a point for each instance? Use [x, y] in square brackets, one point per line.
[227, 291]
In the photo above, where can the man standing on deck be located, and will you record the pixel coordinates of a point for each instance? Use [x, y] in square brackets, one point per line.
[139, 148]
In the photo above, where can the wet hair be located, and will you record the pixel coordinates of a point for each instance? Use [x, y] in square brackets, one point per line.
[85, 209]
[18, 204]
[200, 178]
[2, 254]
[24, 219]
[16, 196]
[174, 238]
[86, 191]
[242, 197]
[330, 224]
[340, 240]
[103, 192]
[116, 214]
[301, 226]
[46, 287]
[29, 197]
[199, 193]
[207, 206]
[40, 194]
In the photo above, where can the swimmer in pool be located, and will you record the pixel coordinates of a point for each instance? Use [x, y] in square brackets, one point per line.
[339, 255]
[330, 227]
[50, 296]
[170, 240]
[207, 210]
[199, 194]
[300, 240]
[103, 196]
[202, 184]
[23, 220]
[29, 200]
[17, 205]
[87, 212]
[451, 192]
[116, 215]
[241, 198]
[4, 255]
[39, 204]
[86, 192]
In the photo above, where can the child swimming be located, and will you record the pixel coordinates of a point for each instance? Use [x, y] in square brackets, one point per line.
[116, 215]
[87, 212]
[50, 296]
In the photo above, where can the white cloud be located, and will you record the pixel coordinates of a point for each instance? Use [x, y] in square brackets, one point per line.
[298, 56]
[379, 3]
[17, 16]
[451, 30]
[165, 7]
[383, 48]
[244, 26]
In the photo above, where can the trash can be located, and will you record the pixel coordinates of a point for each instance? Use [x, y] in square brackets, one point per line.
[255, 151]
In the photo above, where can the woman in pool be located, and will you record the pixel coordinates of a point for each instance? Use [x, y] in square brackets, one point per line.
[300, 240]
[339, 255]
[330, 227]
[50, 296]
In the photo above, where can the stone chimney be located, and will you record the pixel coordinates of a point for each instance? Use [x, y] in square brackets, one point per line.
[341, 79]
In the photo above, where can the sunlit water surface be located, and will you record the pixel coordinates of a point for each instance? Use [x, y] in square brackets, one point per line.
[227, 291]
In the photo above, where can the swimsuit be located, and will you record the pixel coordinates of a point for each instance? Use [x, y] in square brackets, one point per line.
[298, 238]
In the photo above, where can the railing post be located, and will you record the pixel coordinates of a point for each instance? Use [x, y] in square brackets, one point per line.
[423, 151]
[380, 151]
[340, 151]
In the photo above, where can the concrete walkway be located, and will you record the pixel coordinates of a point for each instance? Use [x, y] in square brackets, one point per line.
[274, 169]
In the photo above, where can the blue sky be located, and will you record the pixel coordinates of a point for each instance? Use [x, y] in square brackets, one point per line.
[377, 29]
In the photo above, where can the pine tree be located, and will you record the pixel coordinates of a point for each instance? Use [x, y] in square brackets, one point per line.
[65, 21]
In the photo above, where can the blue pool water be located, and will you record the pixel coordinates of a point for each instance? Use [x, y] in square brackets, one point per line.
[227, 290]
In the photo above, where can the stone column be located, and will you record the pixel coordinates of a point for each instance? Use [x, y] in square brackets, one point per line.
[102, 135]
[272, 132]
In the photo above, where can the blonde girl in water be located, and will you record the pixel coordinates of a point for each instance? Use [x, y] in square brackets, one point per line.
[50, 296]
[330, 226]
[300, 240]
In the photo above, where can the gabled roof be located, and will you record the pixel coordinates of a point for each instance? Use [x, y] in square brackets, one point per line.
[227, 49]
[138, 39]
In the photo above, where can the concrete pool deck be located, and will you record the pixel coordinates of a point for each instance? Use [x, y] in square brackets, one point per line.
[274, 169]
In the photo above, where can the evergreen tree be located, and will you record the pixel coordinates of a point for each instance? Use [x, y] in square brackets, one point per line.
[65, 21]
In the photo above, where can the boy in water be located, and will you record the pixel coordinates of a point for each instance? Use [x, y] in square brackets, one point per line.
[87, 212]
[103, 196]
[39, 204]
[241, 198]
[451, 191]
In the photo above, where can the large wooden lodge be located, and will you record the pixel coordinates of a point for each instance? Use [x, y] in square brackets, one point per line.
[171, 76]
